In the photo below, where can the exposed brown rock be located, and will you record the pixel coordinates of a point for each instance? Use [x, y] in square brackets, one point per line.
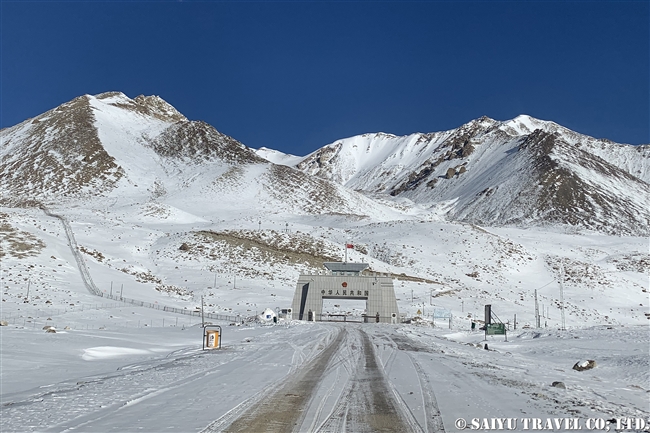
[451, 172]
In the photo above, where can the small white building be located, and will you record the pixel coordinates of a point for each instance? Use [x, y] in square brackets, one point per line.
[268, 316]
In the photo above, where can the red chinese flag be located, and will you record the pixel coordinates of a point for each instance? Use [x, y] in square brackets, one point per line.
[349, 246]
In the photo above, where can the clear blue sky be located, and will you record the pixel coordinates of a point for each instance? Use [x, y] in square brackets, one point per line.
[295, 76]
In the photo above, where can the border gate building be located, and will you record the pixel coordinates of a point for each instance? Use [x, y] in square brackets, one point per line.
[345, 281]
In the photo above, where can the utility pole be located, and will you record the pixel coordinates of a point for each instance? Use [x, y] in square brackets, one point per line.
[202, 314]
[536, 311]
[215, 281]
[28, 283]
[562, 297]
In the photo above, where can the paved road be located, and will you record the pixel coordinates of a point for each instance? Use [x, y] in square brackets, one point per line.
[312, 378]
[344, 388]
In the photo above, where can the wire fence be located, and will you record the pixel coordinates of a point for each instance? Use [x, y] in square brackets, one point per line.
[64, 318]
[93, 289]
[51, 315]
[81, 264]
[185, 311]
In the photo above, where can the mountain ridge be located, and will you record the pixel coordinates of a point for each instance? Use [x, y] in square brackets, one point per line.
[522, 172]
[466, 165]
[143, 149]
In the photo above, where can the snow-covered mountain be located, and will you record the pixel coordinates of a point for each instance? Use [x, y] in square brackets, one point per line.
[524, 172]
[122, 165]
[113, 146]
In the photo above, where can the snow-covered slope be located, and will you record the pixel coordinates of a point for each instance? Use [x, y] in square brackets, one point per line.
[359, 161]
[277, 157]
[143, 150]
[523, 171]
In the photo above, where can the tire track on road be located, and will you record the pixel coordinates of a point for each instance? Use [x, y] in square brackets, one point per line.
[374, 407]
[283, 410]
[432, 418]
[348, 377]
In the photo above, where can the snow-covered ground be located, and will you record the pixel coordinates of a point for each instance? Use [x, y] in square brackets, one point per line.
[159, 379]
[116, 366]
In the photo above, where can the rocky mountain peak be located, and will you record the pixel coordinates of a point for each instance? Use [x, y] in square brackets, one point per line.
[87, 146]
[156, 106]
[523, 171]
[200, 141]
[152, 106]
[57, 152]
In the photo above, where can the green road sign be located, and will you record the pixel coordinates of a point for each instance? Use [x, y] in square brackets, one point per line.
[496, 329]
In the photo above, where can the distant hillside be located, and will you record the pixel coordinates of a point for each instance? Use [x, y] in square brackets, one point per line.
[521, 172]
[113, 146]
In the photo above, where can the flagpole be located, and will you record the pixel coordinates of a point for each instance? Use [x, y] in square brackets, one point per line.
[346, 251]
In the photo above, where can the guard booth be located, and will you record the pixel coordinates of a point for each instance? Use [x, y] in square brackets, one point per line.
[285, 314]
[345, 281]
[211, 337]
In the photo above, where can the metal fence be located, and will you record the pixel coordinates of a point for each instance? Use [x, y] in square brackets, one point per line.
[81, 264]
[185, 311]
[93, 289]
